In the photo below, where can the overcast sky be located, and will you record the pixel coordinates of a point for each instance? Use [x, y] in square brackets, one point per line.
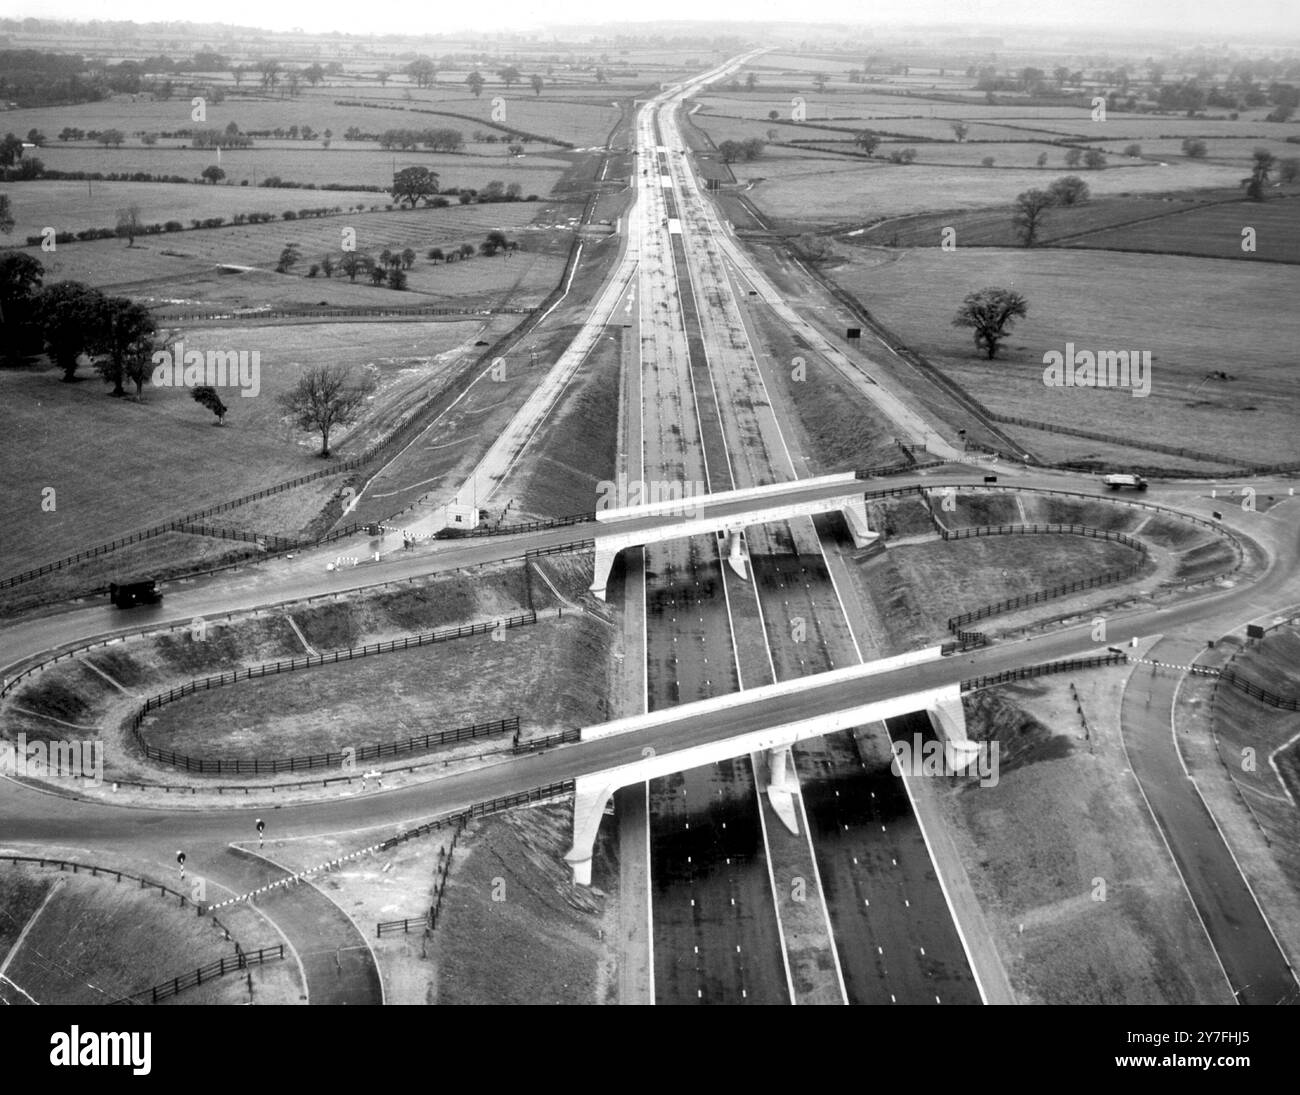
[1279, 16]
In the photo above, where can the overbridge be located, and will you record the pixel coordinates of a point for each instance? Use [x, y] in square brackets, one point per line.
[678, 513]
[768, 720]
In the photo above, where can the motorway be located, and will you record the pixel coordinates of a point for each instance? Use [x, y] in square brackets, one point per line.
[688, 432]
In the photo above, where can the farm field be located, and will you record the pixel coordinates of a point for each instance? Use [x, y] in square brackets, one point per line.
[1214, 230]
[184, 267]
[1196, 316]
[844, 189]
[73, 206]
[563, 116]
[1207, 223]
[177, 460]
[1237, 150]
[309, 163]
[849, 105]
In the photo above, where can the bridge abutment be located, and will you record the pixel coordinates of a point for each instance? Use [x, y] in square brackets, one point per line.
[855, 516]
[604, 564]
[949, 721]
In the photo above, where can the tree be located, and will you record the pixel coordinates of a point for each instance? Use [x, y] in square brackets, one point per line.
[412, 184]
[288, 259]
[6, 215]
[270, 70]
[960, 129]
[1073, 156]
[751, 81]
[206, 396]
[123, 339]
[1030, 211]
[128, 224]
[730, 151]
[378, 273]
[313, 74]
[237, 71]
[423, 71]
[773, 115]
[1042, 159]
[988, 161]
[113, 137]
[475, 83]
[213, 174]
[325, 397]
[1069, 190]
[353, 264]
[408, 258]
[1133, 150]
[1288, 170]
[537, 83]
[396, 278]
[435, 254]
[68, 313]
[20, 281]
[902, 155]
[867, 141]
[820, 81]
[466, 250]
[1094, 159]
[991, 313]
[510, 75]
[383, 76]
[1255, 182]
[1193, 149]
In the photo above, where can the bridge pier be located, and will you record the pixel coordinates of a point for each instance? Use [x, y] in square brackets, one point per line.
[590, 793]
[737, 554]
[855, 516]
[949, 721]
[781, 785]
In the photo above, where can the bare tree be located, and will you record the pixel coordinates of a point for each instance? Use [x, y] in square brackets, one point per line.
[128, 223]
[1030, 211]
[325, 397]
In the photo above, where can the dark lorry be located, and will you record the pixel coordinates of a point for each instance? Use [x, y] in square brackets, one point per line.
[130, 594]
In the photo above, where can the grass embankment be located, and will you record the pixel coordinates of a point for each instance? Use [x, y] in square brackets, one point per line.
[209, 723]
[1242, 723]
[929, 582]
[514, 929]
[96, 939]
[1085, 904]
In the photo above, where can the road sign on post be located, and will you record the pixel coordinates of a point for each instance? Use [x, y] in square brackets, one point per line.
[261, 830]
[180, 858]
